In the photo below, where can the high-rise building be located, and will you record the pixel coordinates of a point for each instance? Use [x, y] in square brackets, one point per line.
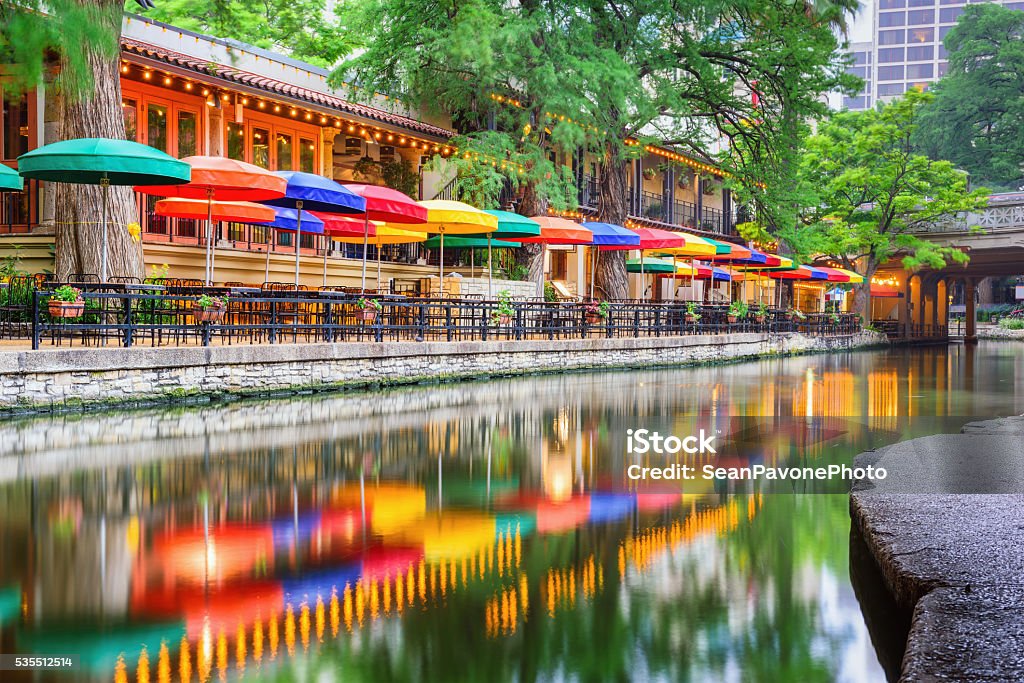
[905, 46]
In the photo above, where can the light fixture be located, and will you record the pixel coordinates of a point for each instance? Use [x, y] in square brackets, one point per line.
[147, 75]
[124, 68]
[262, 105]
[277, 108]
[205, 92]
[167, 80]
[188, 86]
[245, 101]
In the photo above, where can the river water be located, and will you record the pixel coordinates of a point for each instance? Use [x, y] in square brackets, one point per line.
[471, 532]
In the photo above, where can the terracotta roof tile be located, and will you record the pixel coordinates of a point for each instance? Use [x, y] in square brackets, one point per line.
[271, 85]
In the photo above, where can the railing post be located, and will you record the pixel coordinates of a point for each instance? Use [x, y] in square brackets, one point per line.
[35, 319]
[128, 320]
[273, 321]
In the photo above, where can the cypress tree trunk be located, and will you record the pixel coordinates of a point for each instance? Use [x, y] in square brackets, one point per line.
[530, 255]
[612, 208]
[96, 112]
[862, 292]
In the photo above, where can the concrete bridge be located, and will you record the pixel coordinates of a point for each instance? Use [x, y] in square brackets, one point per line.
[994, 240]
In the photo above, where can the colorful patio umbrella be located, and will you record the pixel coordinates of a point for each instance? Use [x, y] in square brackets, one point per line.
[695, 246]
[834, 275]
[608, 235]
[389, 206]
[798, 273]
[10, 181]
[344, 226]
[650, 266]
[555, 230]
[852, 277]
[218, 178]
[727, 251]
[383, 234]
[103, 162]
[471, 243]
[242, 212]
[510, 225]
[311, 192]
[455, 218]
[288, 220]
[655, 239]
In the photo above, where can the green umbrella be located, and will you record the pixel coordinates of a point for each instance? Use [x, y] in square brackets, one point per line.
[649, 265]
[10, 181]
[471, 243]
[509, 225]
[103, 162]
[720, 247]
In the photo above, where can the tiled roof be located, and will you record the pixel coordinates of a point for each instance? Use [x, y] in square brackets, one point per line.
[132, 46]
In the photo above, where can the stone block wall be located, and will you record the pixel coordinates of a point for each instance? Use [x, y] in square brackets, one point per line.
[71, 377]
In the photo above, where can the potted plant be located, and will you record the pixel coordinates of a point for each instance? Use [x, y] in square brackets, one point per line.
[737, 310]
[795, 314]
[504, 312]
[368, 309]
[211, 309]
[649, 173]
[761, 313]
[692, 316]
[597, 312]
[66, 302]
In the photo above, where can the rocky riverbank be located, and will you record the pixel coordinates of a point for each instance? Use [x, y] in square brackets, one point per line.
[946, 529]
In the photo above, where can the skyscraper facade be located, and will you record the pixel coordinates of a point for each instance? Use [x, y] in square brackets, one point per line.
[905, 49]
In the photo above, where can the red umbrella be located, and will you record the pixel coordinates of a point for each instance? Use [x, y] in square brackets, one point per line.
[221, 179]
[338, 225]
[655, 238]
[247, 212]
[389, 206]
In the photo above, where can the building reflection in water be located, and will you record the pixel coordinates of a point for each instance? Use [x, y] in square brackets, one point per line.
[453, 528]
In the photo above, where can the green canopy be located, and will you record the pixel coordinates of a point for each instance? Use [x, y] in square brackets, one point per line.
[720, 247]
[467, 243]
[10, 181]
[88, 161]
[513, 225]
[650, 266]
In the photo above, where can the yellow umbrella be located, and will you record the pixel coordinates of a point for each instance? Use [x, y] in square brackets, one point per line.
[695, 246]
[855, 278]
[456, 218]
[385, 235]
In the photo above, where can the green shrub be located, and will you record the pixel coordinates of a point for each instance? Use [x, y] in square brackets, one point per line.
[1012, 323]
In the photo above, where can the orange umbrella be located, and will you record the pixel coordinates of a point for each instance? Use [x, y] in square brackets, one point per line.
[246, 212]
[219, 178]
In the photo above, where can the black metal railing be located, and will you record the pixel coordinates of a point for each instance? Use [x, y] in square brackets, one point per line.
[128, 318]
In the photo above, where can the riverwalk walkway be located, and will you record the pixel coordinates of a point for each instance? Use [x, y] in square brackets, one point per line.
[946, 528]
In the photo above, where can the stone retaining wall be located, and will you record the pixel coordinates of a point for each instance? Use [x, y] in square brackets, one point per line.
[72, 378]
[997, 332]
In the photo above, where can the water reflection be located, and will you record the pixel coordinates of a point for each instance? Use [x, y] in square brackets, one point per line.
[464, 533]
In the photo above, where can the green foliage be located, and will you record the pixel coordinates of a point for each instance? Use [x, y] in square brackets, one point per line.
[549, 292]
[978, 111]
[10, 264]
[504, 308]
[364, 303]
[207, 302]
[518, 272]
[32, 31]
[1012, 323]
[738, 308]
[692, 311]
[302, 28]
[762, 310]
[398, 175]
[869, 194]
[67, 294]
[600, 309]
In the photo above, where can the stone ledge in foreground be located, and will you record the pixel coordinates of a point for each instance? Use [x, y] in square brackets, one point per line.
[946, 528]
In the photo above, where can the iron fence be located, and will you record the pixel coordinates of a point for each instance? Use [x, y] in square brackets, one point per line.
[175, 319]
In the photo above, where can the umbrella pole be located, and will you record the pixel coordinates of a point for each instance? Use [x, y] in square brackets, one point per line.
[472, 265]
[440, 268]
[643, 281]
[327, 248]
[675, 274]
[378, 269]
[104, 187]
[270, 245]
[366, 239]
[209, 237]
[593, 272]
[298, 239]
[490, 269]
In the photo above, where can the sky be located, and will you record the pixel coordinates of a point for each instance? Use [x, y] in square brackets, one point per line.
[860, 27]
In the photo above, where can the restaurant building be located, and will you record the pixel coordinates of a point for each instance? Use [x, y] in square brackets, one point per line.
[187, 93]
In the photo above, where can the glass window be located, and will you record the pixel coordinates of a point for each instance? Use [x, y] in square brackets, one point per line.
[855, 102]
[186, 133]
[887, 19]
[15, 122]
[948, 15]
[920, 16]
[890, 73]
[261, 147]
[943, 30]
[156, 126]
[860, 58]
[920, 3]
[919, 53]
[952, 2]
[890, 89]
[942, 69]
[920, 70]
[307, 155]
[236, 141]
[894, 37]
[942, 52]
[921, 35]
[858, 71]
[284, 152]
[130, 110]
[888, 55]
[892, 4]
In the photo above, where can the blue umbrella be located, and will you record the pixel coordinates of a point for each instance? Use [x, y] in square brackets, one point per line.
[288, 219]
[609, 235]
[311, 192]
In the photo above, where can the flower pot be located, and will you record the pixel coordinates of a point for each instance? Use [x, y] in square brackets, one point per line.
[594, 318]
[504, 319]
[65, 309]
[759, 319]
[732, 318]
[368, 314]
[210, 315]
[692, 319]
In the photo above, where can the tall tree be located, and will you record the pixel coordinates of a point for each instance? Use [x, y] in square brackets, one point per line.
[871, 194]
[84, 78]
[978, 112]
